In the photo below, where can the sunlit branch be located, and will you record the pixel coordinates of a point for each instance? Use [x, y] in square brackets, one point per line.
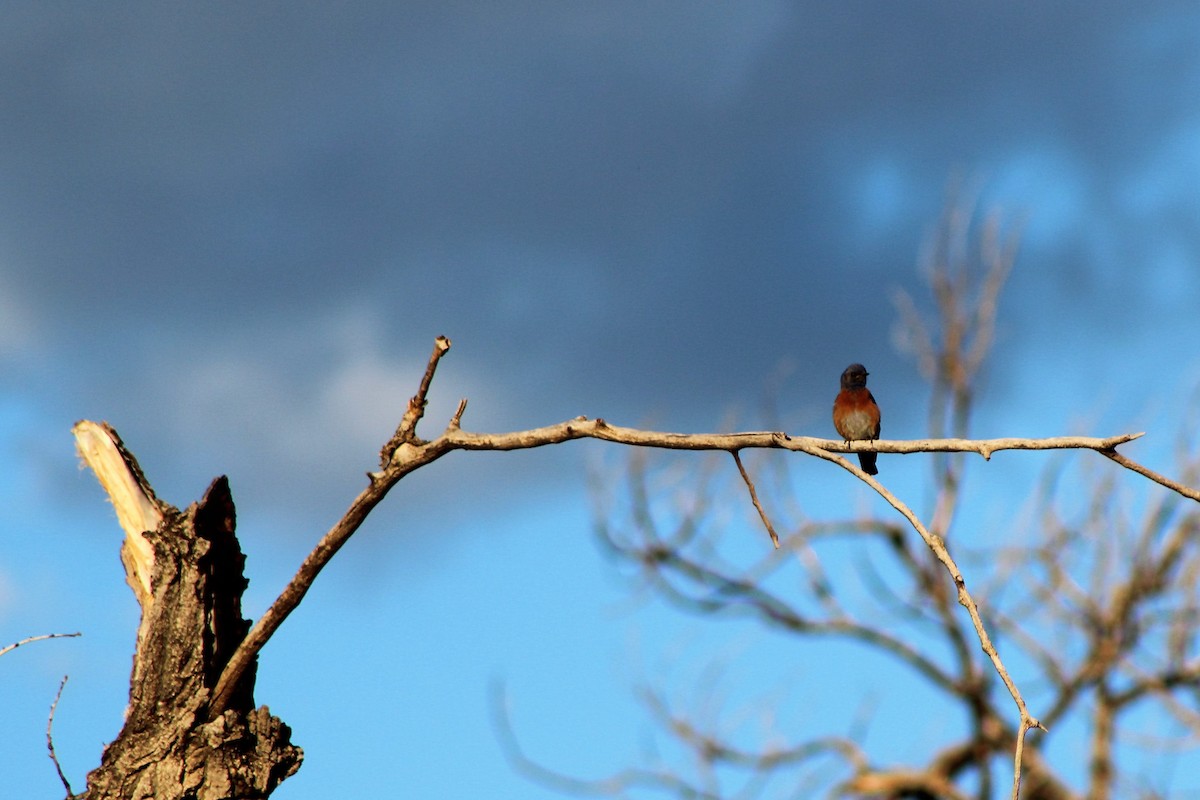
[1186, 491]
[938, 546]
[405, 452]
[9, 648]
[762, 514]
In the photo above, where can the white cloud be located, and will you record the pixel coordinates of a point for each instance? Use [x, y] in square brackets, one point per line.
[287, 400]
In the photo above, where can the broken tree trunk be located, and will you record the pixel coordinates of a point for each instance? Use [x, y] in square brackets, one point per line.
[186, 570]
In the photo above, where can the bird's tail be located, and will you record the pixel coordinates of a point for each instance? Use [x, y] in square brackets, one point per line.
[867, 462]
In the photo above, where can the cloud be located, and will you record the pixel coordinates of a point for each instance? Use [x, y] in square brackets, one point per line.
[18, 330]
[242, 231]
[293, 401]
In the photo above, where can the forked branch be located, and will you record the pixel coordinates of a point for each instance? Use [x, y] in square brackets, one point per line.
[405, 452]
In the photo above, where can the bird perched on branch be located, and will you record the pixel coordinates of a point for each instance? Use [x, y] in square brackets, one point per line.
[855, 413]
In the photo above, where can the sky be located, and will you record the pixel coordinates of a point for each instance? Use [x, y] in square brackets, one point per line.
[233, 231]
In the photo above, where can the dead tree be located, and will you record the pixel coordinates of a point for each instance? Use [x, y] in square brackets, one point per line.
[1103, 603]
[193, 730]
[185, 568]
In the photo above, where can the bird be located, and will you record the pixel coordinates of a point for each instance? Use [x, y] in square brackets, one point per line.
[856, 414]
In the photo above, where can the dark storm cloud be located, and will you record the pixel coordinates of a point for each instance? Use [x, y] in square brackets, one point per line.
[234, 229]
[613, 210]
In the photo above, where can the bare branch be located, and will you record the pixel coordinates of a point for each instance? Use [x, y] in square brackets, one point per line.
[27, 640]
[1186, 491]
[294, 592]
[938, 546]
[50, 739]
[737, 459]
[1119, 599]
[397, 461]
[407, 428]
[584, 428]
[1027, 722]
[405, 453]
[456, 420]
[739, 593]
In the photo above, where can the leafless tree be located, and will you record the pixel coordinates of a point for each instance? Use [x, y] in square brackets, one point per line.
[194, 730]
[1100, 606]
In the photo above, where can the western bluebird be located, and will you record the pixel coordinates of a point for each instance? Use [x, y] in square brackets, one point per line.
[855, 414]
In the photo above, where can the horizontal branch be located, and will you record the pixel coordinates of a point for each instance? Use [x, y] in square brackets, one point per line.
[584, 428]
[406, 452]
[414, 453]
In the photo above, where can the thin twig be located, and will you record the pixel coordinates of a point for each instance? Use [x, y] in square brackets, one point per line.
[737, 459]
[15, 645]
[50, 740]
[1186, 491]
[1026, 724]
[456, 420]
[402, 454]
[407, 428]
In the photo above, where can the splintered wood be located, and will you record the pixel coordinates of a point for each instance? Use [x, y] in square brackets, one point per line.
[134, 501]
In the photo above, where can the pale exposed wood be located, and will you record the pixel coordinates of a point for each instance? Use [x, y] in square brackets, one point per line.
[191, 622]
[138, 510]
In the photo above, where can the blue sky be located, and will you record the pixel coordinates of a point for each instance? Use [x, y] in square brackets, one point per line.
[234, 232]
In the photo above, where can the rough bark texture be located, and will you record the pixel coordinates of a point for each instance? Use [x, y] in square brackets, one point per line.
[191, 623]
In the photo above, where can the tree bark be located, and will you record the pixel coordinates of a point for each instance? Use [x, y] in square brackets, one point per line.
[187, 573]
